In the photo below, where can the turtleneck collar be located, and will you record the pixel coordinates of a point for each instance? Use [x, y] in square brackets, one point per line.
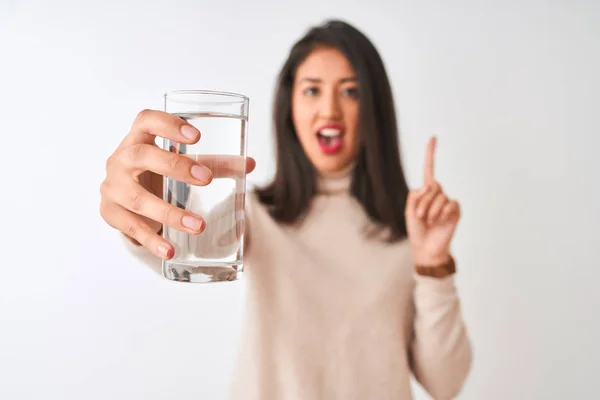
[335, 182]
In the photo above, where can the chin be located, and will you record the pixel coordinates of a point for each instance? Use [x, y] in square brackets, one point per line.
[332, 166]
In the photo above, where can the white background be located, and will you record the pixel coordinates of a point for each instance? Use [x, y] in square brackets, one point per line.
[511, 88]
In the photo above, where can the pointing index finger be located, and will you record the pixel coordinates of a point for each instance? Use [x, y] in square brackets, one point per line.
[428, 171]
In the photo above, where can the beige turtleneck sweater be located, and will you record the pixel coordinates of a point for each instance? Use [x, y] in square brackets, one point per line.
[331, 315]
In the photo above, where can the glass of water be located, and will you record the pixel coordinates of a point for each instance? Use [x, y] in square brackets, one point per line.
[216, 254]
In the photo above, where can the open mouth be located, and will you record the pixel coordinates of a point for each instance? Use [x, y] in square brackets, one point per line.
[330, 139]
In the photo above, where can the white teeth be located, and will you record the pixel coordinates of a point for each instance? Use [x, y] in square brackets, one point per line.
[330, 132]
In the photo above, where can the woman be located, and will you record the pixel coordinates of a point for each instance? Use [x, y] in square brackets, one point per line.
[350, 276]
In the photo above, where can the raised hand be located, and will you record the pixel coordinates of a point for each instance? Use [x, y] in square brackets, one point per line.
[431, 217]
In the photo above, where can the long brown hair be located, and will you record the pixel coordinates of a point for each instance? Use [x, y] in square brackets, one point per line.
[378, 181]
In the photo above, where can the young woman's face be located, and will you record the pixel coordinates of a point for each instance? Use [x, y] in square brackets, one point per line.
[325, 109]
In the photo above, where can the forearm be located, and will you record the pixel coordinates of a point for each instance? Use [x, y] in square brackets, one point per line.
[441, 352]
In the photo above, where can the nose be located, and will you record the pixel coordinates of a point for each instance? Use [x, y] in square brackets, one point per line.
[330, 105]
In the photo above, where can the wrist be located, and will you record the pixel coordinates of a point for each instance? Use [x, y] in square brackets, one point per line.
[432, 260]
[436, 267]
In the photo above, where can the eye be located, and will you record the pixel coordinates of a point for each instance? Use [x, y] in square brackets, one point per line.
[351, 92]
[311, 91]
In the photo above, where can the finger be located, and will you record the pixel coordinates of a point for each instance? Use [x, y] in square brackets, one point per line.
[148, 157]
[134, 227]
[413, 200]
[426, 199]
[428, 171]
[250, 164]
[451, 211]
[152, 123]
[138, 200]
[436, 207]
[227, 166]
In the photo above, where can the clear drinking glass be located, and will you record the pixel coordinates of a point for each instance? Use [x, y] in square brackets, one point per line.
[216, 254]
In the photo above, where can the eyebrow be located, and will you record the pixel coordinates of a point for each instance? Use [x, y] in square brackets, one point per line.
[317, 80]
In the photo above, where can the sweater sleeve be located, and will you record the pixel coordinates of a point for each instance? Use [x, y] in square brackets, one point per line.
[221, 237]
[441, 352]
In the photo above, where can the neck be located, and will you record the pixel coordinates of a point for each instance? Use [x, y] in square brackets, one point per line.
[335, 182]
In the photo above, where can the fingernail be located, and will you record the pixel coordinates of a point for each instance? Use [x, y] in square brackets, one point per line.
[191, 223]
[189, 132]
[164, 250]
[201, 173]
[420, 213]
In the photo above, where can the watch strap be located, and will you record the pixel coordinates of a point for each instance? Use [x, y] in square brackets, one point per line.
[437, 271]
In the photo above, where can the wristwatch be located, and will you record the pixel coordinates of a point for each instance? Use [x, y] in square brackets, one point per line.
[437, 271]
